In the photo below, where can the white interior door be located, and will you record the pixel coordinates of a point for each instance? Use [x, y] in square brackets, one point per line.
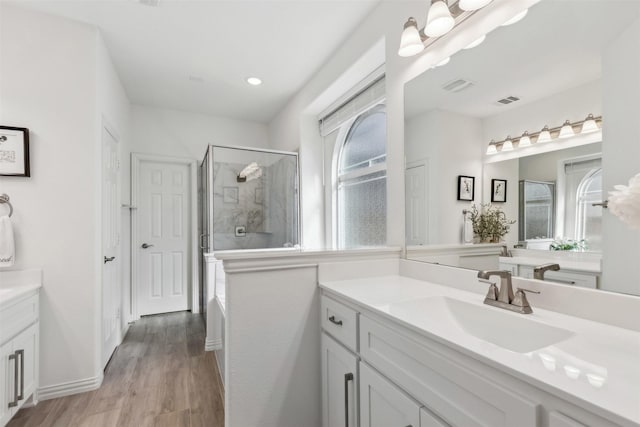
[111, 286]
[416, 214]
[163, 237]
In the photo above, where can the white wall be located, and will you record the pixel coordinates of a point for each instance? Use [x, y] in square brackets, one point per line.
[48, 84]
[621, 154]
[184, 134]
[451, 145]
[509, 170]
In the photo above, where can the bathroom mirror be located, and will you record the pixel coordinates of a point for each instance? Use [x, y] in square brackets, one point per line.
[497, 91]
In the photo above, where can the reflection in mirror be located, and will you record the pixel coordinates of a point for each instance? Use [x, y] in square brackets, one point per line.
[524, 81]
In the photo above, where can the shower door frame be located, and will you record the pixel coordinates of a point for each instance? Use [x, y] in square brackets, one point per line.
[298, 194]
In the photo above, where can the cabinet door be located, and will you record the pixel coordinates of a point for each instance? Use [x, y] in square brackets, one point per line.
[7, 374]
[26, 345]
[556, 419]
[382, 404]
[339, 385]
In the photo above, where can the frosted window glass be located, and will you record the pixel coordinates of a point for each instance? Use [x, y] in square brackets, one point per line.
[589, 218]
[366, 141]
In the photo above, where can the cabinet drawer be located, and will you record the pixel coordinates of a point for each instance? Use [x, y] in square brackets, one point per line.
[18, 317]
[455, 393]
[572, 278]
[340, 322]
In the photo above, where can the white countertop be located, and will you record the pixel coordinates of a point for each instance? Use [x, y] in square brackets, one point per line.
[607, 357]
[575, 265]
[16, 283]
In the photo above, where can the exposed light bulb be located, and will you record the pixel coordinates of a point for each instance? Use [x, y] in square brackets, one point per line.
[589, 124]
[566, 131]
[491, 149]
[544, 136]
[473, 4]
[507, 145]
[254, 81]
[525, 140]
[476, 42]
[410, 41]
[516, 18]
[439, 19]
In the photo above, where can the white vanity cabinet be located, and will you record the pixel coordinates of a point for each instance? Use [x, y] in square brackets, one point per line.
[19, 337]
[584, 279]
[339, 385]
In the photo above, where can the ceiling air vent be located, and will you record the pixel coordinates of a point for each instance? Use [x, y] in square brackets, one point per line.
[508, 100]
[152, 3]
[457, 85]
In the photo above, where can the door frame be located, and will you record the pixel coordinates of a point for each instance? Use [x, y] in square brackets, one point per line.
[194, 288]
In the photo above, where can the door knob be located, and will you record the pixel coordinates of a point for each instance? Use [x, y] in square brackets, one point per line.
[108, 258]
[146, 245]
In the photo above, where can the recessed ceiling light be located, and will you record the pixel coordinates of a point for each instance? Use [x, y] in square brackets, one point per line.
[254, 81]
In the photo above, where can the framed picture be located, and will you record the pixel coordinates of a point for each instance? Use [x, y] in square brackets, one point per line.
[466, 188]
[230, 195]
[14, 151]
[498, 190]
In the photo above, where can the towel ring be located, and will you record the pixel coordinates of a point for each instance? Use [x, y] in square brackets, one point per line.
[5, 199]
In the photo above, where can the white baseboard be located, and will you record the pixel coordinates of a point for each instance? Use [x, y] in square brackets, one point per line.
[69, 388]
[211, 345]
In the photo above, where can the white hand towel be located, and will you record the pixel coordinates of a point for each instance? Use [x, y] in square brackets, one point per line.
[7, 244]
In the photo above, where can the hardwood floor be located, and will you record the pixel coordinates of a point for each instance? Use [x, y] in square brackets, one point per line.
[159, 376]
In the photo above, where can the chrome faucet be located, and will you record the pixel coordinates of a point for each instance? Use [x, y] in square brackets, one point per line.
[503, 297]
[538, 272]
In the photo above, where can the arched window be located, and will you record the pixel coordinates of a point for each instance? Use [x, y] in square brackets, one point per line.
[588, 217]
[361, 178]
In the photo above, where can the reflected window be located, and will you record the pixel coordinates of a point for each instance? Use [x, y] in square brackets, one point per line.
[589, 217]
[537, 208]
[362, 182]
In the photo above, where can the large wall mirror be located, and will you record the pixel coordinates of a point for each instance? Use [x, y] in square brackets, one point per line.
[561, 62]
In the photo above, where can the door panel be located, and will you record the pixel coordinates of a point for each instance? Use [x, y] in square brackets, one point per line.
[339, 374]
[416, 215]
[163, 241]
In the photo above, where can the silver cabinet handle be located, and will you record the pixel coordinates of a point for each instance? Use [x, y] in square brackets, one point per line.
[568, 282]
[14, 403]
[333, 320]
[347, 377]
[108, 259]
[21, 354]
[146, 246]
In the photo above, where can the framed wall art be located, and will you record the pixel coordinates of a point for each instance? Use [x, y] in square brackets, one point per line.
[14, 151]
[466, 188]
[498, 190]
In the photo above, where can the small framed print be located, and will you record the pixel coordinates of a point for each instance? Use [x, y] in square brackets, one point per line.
[230, 195]
[14, 151]
[498, 190]
[466, 188]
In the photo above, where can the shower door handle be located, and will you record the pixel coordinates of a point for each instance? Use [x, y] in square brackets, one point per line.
[203, 245]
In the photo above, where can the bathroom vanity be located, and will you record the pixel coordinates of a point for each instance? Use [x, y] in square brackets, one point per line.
[406, 352]
[19, 338]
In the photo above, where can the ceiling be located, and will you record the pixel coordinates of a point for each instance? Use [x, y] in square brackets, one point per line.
[557, 46]
[195, 55]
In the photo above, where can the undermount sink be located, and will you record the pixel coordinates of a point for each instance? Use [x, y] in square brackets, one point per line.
[508, 330]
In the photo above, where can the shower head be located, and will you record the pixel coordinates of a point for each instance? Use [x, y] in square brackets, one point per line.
[250, 172]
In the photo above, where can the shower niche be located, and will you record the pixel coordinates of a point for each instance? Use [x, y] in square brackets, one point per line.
[248, 199]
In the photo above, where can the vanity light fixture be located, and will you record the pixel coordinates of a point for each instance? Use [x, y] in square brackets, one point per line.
[254, 81]
[439, 19]
[507, 144]
[591, 124]
[445, 61]
[516, 18]
[544, 136]
[442, 17]
[566, 131]
[525, 140]
[476, 42]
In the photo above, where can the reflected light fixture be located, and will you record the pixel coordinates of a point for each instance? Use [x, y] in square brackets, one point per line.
[445, 61]
[507, 145]
[516, 18]
[254, 81]
[525, 140]
[439, 19]
[410, 42]
[473, 4]
[492, 149]
[566, 130]
[589, 124]
[476, 42]
[544, 136]
[442, 17]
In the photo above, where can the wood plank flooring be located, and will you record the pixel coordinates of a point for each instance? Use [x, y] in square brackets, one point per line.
[159, 376]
